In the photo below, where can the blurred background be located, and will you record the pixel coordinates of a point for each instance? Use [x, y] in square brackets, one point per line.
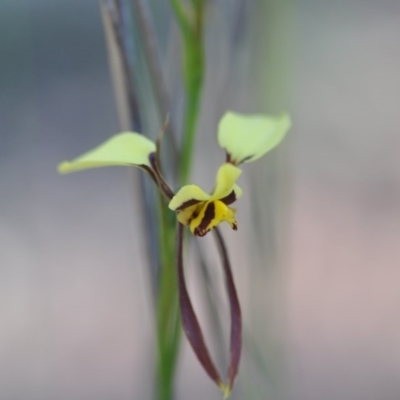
[75, 300]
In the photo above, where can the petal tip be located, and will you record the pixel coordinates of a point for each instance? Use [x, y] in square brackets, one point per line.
[226, 390]
[286, 119]
[64, 168]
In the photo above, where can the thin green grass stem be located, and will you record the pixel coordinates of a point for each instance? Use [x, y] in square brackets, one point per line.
[191, 27]
[168, 321]
[191, 117]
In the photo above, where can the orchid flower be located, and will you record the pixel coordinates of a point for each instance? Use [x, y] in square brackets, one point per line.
[201, 211]
[244, 138]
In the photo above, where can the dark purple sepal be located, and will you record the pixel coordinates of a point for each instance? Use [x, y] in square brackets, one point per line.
[236, 315]
[190, 323]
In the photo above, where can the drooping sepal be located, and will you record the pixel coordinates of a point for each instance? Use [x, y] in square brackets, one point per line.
[246, 138]
[190, 323]
[126, 148]
[236, 316]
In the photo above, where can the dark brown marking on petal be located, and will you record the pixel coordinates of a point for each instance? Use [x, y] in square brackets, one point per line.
[245, 159]
[200, 233]
[187, 204]
[209, 215]
[231, 198]
[194, 215]
[229, 159]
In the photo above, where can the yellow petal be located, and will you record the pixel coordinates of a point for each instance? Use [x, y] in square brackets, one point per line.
[227, 176]
[248, 137]
[187, 196]
[126, 148]
[210, 215]
[186, 215]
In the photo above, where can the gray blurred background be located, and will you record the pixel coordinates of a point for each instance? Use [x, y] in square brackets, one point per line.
[75, 304]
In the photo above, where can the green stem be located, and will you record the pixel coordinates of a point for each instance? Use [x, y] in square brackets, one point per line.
[193, 71]
[168, 322]
[191, 117]
[181, 16]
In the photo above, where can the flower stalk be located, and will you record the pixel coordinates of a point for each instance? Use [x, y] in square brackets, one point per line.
[168, 320]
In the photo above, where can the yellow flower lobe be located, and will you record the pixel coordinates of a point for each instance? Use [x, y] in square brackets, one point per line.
[210, 214]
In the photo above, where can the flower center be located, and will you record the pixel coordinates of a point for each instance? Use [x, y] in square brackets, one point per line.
[209, 214]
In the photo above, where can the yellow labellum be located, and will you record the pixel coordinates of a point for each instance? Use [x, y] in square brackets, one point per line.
[210, 214]
[202, 211]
